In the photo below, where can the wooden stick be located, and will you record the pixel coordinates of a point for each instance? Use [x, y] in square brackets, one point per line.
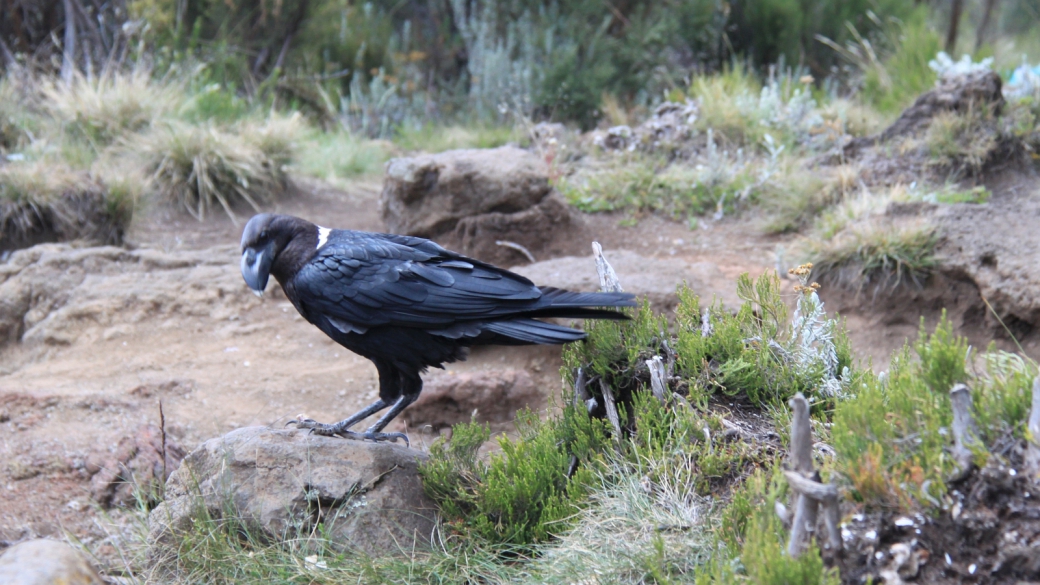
[611, 406]
[802, 526]
[801, 435]
[608, 280]
[965, 432]
[581, 392]
[657, 376]
[808, 487]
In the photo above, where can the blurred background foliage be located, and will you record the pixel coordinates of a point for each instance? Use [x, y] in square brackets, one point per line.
[379, 63]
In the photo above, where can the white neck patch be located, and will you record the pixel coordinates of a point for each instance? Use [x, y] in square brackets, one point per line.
[323, 236]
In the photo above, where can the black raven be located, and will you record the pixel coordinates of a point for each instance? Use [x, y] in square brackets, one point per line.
[405, 303]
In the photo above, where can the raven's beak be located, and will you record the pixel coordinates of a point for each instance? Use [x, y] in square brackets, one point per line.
[256, 267]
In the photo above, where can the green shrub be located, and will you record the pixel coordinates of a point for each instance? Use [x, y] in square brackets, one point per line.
[758, 353]
[524, 494]
[756, 537]
[892, 84]
[900, 458]
[962, 142]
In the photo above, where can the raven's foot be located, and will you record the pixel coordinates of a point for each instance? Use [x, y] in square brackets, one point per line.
[339, 430]
[317, 428]
[377, 437]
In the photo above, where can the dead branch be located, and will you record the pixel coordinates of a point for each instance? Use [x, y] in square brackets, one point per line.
[608, 280]
[804, 481]
[965, 431]
[657, 378]
[514, 246]
[801, 435]
[68, 61]
[1032, 451]
[1034, 414]
[611, 406]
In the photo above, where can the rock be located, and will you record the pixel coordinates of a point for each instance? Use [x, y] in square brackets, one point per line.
[362, 495]
[669, 129]
[428, 194]
[46, 562]
[952, 94]
[136, 470]
[470, 199]
[656, 279]
[448, 398]
[539, 229]
[48, 291]
[996, 246]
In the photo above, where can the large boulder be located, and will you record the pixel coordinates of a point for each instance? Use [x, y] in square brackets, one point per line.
[470, 200]
[46, 562]
[655, 279]
[449, 398]
[363, 495]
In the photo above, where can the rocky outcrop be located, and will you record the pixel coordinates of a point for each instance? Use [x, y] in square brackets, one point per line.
[656, 279]
[450, 398]
[669, 129]
[46, 562]
[47, 291]
[361, 495]
[469, 200]
[960, 93]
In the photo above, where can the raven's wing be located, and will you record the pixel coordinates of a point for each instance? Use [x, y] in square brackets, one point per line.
[360, 280]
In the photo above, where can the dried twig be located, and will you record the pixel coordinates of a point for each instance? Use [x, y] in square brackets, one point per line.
[514, 246]
[1032, 453]
[804, 481]
[608, 280]
[657, 378]
[965, 432]
[611, 406]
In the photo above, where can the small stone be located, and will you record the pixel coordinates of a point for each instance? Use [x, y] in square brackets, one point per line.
[46, 562]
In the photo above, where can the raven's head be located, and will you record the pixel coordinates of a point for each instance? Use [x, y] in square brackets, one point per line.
[262, 240]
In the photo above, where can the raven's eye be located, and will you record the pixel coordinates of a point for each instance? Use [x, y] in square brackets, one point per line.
[263, 235]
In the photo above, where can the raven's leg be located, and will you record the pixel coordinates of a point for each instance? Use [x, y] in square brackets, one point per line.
[389, 390]
[411, 386]
[394, 385]
[341, 427]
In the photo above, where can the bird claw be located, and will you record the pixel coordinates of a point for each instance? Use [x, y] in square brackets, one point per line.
[327, 430]
[315, 427]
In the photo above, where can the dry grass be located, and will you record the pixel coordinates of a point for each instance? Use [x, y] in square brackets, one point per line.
[106, 109]
[874, 252]
[201, 167]
[42, 202]
[961, 142]
[634, 531]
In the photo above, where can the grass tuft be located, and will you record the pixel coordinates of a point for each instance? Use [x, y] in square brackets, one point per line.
[961, 142]
[200, 167]
[42, 202]
[105, 109]
[874, 252]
